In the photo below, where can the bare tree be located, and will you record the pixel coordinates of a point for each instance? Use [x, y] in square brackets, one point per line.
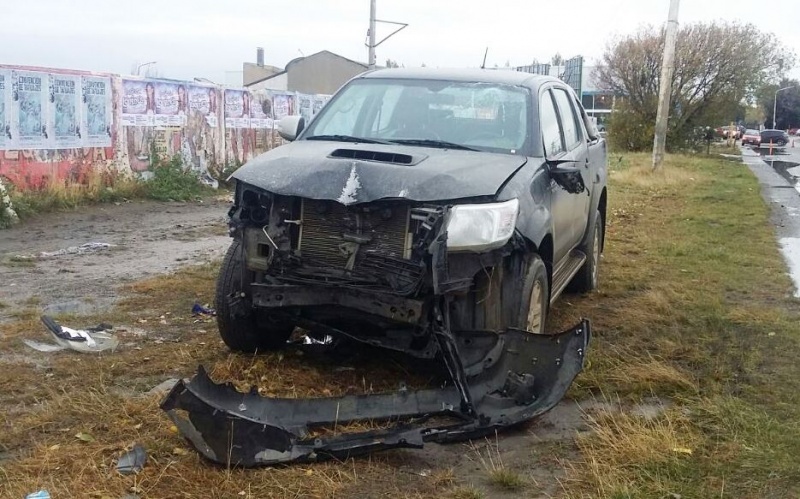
[715, 69]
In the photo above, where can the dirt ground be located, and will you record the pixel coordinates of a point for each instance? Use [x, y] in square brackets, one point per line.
[146, 238]
[149, 239]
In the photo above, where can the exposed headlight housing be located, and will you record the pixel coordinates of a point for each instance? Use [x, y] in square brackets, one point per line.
[481, 227]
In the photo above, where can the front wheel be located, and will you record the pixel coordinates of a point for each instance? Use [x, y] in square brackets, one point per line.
[243, 329]
[535, 299]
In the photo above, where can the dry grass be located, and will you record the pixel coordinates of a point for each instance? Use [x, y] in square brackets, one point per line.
[695, 306]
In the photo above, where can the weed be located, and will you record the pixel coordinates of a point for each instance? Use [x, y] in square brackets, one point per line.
[171, 181]
[498, 473]
[466, 492]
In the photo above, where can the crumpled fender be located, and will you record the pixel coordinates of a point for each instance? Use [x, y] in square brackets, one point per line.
[245, 429]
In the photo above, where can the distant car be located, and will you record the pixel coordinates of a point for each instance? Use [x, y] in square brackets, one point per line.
[723, 132]
[751, 137]
[777, 137]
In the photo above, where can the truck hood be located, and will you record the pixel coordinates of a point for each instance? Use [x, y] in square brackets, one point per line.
[360, 173]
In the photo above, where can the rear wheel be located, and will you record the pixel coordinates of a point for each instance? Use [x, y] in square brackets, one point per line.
[588, 276]
[243, 329]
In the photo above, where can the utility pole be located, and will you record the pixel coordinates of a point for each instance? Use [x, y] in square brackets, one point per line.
[667, 68]
[371, 35]
[372, 8]
[775, 106]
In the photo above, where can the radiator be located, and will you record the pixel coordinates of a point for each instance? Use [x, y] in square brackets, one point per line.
[334, 235]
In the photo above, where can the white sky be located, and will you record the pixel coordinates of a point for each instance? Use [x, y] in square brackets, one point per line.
[206, 38]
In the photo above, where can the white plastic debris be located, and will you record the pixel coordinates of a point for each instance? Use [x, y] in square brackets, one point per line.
[91, 340]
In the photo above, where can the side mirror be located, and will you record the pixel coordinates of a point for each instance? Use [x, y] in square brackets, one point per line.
[567, 174]
[289, 127]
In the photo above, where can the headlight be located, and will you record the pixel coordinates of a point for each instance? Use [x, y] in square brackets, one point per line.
[481, 227]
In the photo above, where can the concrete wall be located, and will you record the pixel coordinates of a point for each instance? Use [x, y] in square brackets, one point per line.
[278, 82]
[206, 142]
[321, 73]
[253, 72]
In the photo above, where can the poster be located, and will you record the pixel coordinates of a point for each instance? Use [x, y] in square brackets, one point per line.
[204, 100]
[138, 103]
[319, 101]
[30, 104]
[6, 139]
[237, 109]
[261, 111]
[306, 105]
[96, 112]
[283, 105]
[171, 103]
[63, 113]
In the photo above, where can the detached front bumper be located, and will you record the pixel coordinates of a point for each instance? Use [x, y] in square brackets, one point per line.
[529, 378]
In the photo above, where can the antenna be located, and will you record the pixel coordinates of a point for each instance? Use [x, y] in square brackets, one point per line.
[483, 66]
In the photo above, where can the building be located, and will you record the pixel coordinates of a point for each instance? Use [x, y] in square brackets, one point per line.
[597, 101]
[320, 73]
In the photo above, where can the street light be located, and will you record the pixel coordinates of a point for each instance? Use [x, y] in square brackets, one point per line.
[775, 105]
[140, 66]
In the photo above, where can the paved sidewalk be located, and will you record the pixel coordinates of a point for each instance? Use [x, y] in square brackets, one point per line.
[784, 201]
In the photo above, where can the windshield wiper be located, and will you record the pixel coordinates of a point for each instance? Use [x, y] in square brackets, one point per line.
[347, 138]
[433, 143]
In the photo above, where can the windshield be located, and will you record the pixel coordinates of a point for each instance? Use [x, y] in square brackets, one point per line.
[751, 132]
[430, 113]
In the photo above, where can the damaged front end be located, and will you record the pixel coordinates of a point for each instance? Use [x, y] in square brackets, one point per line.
[386, 273]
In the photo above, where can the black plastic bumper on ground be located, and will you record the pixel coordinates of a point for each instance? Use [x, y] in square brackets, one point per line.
[232, 428]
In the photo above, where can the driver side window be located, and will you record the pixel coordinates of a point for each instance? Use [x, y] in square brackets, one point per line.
[552, 136]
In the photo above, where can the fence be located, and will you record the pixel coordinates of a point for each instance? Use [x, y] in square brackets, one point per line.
[59, 125]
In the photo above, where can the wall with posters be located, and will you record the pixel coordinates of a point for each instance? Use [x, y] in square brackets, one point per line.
[60, 125]
[54, 124]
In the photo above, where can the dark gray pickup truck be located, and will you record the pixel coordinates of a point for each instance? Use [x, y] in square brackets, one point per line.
[437, 213]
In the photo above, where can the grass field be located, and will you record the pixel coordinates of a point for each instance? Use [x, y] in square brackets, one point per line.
[694, 310]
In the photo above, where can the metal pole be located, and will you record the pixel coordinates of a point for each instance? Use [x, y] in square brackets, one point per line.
[775, 110]
[667, 67]
[372, 8]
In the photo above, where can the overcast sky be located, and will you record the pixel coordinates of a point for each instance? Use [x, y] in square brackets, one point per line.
[211, 38]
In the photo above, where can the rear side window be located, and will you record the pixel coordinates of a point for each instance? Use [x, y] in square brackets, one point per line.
[551, 130]
[569, 119]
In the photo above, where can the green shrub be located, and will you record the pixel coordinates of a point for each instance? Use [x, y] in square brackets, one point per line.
[171, 181]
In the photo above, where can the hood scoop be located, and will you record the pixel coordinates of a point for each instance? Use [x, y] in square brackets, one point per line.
[377, 156]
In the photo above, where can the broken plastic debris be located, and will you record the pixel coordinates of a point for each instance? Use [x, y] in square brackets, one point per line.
[198, 309]
[132, 461]
[682, 450]
[43, 347]
[72, 250]
[42, 494]
[84, 437]
[94, 339]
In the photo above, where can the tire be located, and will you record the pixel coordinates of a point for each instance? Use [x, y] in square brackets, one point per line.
[586, 279]
[535, 298]
[244, 332]
[501, 299]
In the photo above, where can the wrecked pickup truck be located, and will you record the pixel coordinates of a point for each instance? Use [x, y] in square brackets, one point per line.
[435, 213]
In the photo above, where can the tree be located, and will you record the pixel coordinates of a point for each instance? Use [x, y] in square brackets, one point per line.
[392, 64]
[715, 70]
[788, 104]
[557, 60]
